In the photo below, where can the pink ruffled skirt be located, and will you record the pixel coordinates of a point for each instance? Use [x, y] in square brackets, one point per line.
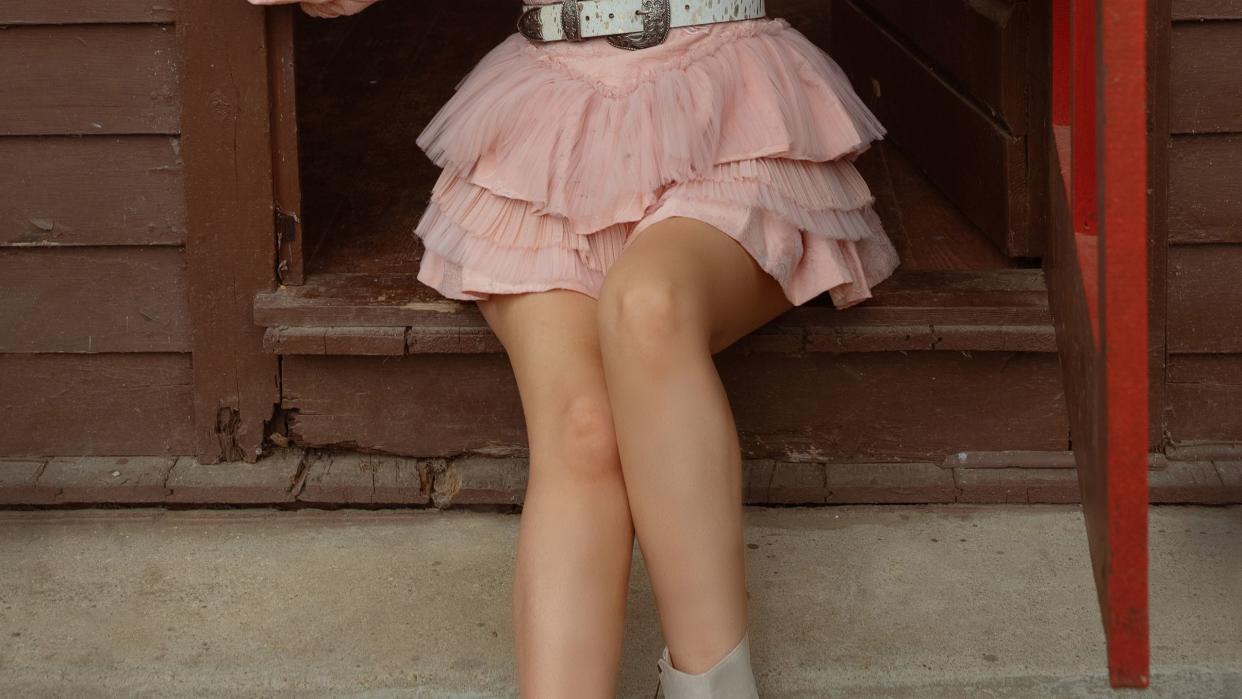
[555, 156]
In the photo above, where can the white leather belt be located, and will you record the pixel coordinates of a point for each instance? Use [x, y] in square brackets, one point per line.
[628, 24]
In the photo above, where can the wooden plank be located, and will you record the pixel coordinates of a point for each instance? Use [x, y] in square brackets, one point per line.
[286, 185]
[86, 11]
[1205, 189]
[95, 79]
[951, 297]
[977, 165]
[431, 405]
[95, 404]
[781, 337]
[1120, 487]
[227, 150]
[322, 341]
[1205, 392]
[928, 231]
[109, 190]
[1205, 81]
[1159, 40]
[815, 407]
[93, 300]
[980, 46]
[1207, 9]
[1205, 298]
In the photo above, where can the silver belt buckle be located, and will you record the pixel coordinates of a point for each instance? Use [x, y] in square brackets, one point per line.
[657, 18]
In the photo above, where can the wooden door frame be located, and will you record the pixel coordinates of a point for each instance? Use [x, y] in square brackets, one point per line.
[226, 147]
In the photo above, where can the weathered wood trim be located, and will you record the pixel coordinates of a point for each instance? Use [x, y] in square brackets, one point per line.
[787, 338]
[90, 80]
[1159, 39]
[1207, 9]
[227, 150]
[983, 310]
[1205, 82]
[287, 186]
[86, 11]
[909, 297]
[109, 190]
[384, 342]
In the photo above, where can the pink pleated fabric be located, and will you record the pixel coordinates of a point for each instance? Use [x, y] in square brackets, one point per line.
[556, 156]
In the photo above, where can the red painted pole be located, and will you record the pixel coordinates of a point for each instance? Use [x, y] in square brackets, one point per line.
[1121, 90]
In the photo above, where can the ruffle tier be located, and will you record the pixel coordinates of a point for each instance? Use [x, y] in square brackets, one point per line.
[555, 156]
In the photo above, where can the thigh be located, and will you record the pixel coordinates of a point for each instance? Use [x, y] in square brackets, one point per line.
[706, 270]
[553, 347]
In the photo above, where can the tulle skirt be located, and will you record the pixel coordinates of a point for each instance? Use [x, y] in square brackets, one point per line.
[556, 156]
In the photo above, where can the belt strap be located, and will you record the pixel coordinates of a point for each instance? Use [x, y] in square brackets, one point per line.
[607, 17]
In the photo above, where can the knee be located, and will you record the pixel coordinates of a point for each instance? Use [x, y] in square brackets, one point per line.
[588, 441]
[646, 316]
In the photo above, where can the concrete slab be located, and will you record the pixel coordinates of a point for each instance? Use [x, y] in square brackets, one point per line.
[847, 601]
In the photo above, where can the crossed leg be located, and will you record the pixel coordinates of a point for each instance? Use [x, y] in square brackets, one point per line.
[680, 292]
[575, 538]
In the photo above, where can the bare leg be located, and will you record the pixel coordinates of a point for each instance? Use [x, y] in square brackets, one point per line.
[681, 292]
[575, 537]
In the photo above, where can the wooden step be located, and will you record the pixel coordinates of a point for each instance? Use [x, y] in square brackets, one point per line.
[394, 315]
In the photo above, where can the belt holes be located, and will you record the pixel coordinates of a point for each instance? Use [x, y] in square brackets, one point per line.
[610, 15]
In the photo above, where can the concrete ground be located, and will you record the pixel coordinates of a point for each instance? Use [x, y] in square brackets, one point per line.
[848, 601]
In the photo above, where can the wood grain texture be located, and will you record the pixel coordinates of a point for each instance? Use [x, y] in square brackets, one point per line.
[1207, 9]
[1205, 298]
[928, 231]
[1205, 189]
[916, 309]
[92, 79]
[812, 408]
[432, 405]
[1205, 81]
[979, 167]
[86, 11]
[230, 239]
[1205, 397]
[980, 46]
[286, 177]
[108, 190]
[95, 404]
[1159, 153]
[91, 300]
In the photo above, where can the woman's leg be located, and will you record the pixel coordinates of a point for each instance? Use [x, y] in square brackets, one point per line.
[680, 292]
[575, 539]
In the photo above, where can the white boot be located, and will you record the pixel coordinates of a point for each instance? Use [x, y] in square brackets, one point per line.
[730, 678]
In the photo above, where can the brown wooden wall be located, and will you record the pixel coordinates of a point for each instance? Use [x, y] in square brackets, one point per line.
[959, 86]
[1204, 311]
[95, 335]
